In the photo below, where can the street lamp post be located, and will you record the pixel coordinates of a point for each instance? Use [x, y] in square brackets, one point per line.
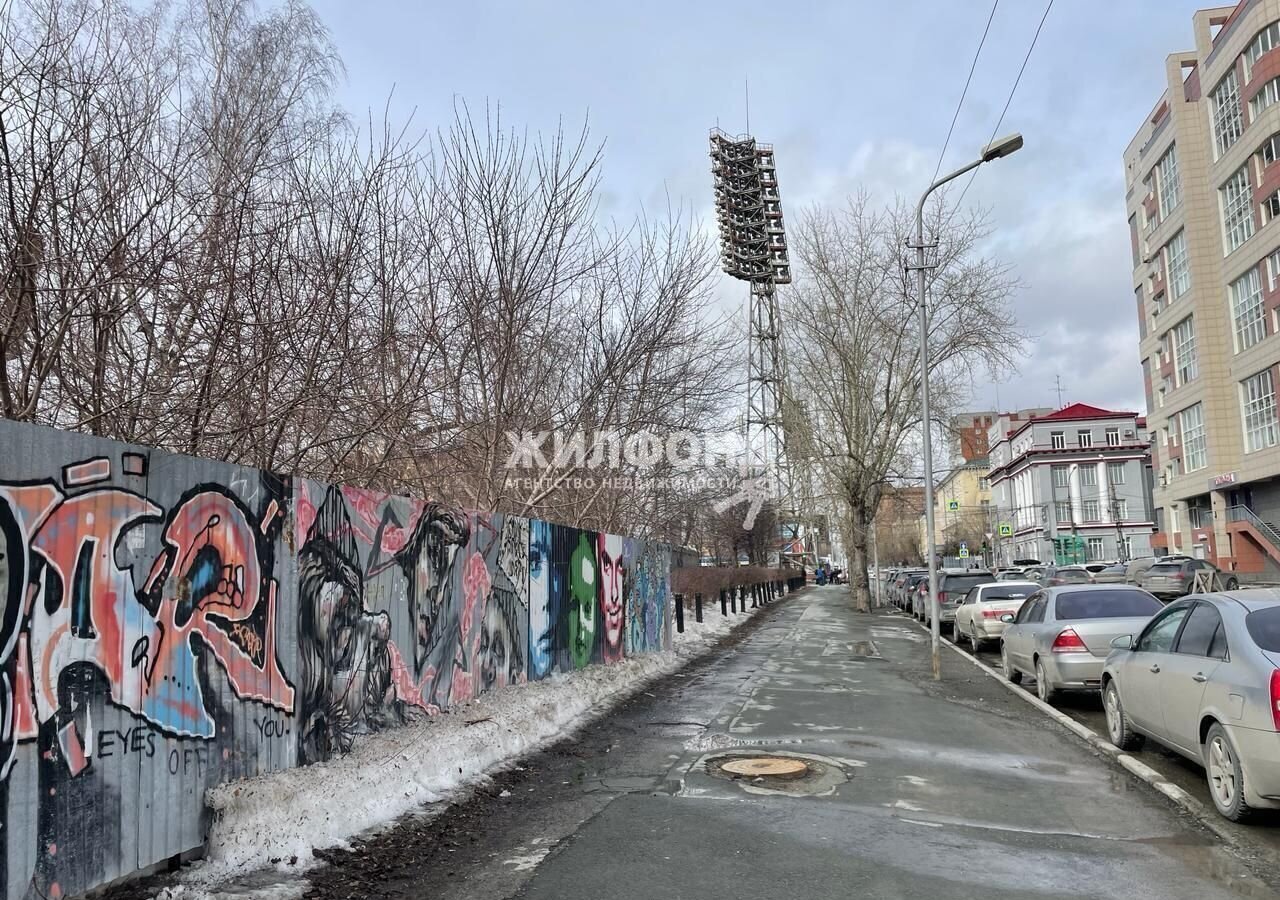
[997, 149]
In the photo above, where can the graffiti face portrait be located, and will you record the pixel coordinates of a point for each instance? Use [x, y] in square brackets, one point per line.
[610, 567]
[427, 562]
[500, 659]
[583, 581]
[541, 628]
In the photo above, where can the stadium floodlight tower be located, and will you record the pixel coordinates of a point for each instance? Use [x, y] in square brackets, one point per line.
[753, 248]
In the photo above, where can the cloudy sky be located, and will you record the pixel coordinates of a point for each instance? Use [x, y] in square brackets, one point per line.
[854, 95]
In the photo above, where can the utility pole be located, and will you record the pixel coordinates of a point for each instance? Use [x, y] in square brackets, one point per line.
[997, 149]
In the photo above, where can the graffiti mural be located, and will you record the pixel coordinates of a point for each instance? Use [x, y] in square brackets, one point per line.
[169, 624]
[133, 628]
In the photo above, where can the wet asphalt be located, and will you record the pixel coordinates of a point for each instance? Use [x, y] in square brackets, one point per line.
[913, 789]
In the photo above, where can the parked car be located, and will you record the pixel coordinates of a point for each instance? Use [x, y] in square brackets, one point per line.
[1062, 636]
[911, 588]
[1135, 568]
[1171, 578]
[1058, 575]
[1113, 574]
[1093, 568]
[953, 584]
[1011, 575]
[1203, 678]
[978, 617]
[1034, 573]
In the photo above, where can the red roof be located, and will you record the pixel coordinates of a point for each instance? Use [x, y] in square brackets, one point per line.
[1081, 411]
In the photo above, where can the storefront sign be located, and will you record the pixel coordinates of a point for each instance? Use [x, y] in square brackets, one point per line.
[1219, 481]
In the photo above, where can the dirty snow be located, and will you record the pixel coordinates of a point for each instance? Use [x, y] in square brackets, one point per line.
[275, 821]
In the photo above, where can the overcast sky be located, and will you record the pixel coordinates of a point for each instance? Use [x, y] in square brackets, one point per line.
[853, 95]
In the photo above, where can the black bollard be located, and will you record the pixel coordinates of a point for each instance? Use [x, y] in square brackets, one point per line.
[724, 602]
[680, 613]
[697, 607]
[733, 599]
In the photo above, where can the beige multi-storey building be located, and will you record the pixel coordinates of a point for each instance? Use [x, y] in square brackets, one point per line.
[1202, 181]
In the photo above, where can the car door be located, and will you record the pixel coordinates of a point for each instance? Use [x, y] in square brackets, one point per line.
[1028, 618]
[1010, 637]
[964, 612]
[1140, 683]
[1184, 674]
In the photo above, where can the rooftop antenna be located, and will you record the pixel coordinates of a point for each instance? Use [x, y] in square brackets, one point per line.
[1057, 380]
[746, 94]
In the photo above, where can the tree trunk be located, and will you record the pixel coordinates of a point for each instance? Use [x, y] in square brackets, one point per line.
[858, 582]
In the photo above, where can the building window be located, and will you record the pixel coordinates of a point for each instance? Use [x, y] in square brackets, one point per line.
[1115, 473]
[1271, 149]
[1177, 265]
[1128, 547]
[1258, 405]
[1090, 510]
[1167, 182]
[1237, 209]
[984, 484]
[1273, 268]
[1089, 476]
[1266, 39]
[1058, 439]
[1195, 453]
[1120, 510]
[1113, 437]
[1096, 548]
[1085, 437]
[1185, 358]
[1246, 310]
[1268, 96]
[1061, 476]
[1225, 105]
[1062, 511]
[1271, 207]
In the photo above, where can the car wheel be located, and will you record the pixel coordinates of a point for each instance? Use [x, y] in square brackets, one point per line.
[1226, 777]
[1233, 584]
[1119, 729]
[956, 634]
[974, 640]
[1045, 691]
[1014, 676]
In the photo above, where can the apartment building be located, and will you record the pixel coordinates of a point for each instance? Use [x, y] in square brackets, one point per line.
[1203, 196]
[1079, 476]
[962, 508]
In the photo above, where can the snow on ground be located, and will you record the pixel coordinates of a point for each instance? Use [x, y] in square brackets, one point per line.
[276, 820]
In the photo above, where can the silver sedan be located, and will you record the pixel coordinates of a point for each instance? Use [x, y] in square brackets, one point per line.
[1062, 635]
[1203, 678]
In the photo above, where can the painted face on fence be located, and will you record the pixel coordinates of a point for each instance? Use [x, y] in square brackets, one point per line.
[610, 548]
[540, 631]
[583, 579]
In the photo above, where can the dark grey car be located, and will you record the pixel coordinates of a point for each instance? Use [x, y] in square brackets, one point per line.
[1173, 578]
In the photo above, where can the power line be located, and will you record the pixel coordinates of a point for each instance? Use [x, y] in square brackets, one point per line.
[965, 92]
[1000, 121]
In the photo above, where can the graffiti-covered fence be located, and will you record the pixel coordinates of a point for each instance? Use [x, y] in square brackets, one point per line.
[172, 623]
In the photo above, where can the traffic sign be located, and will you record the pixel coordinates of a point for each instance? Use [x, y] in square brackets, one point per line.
[964, 552]
[953, 505]
[1006, 529]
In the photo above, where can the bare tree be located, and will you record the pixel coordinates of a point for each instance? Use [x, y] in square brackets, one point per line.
[853, 400]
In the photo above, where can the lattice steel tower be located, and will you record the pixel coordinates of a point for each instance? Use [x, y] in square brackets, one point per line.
[753, 248]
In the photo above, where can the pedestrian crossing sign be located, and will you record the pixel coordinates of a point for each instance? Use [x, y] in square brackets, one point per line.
[964, 552]
[953, 505]
[1006, 530]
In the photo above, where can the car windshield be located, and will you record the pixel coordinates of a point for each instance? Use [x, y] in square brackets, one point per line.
[1264, 628]
[1012, 592]
[1169, 568]
[962, 583]
[1073, 575]
[1117, 604]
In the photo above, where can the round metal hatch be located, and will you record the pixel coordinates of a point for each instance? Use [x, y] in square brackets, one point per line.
[766, 767]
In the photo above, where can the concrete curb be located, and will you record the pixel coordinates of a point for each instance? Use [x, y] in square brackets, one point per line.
[1205, 816]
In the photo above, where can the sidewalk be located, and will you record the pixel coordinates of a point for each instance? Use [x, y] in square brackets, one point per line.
[913, 789]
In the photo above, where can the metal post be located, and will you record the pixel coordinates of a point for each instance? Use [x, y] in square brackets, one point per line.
[875, 564]
[680, 613]
[697, 607]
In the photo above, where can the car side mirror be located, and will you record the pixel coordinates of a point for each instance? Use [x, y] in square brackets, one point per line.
[1006, 618]
[1123, 642]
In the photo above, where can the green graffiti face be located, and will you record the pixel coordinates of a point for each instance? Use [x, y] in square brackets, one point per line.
[582, 608]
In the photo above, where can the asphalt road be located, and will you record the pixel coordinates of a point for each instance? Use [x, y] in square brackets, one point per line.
[1262, 838]
[912, 789]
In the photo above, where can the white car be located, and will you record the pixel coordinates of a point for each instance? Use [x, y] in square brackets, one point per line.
[978, 615]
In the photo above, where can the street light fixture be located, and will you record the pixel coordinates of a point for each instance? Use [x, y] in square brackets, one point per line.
[997, 149]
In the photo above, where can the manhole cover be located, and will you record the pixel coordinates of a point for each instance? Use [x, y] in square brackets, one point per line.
[766, 767]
